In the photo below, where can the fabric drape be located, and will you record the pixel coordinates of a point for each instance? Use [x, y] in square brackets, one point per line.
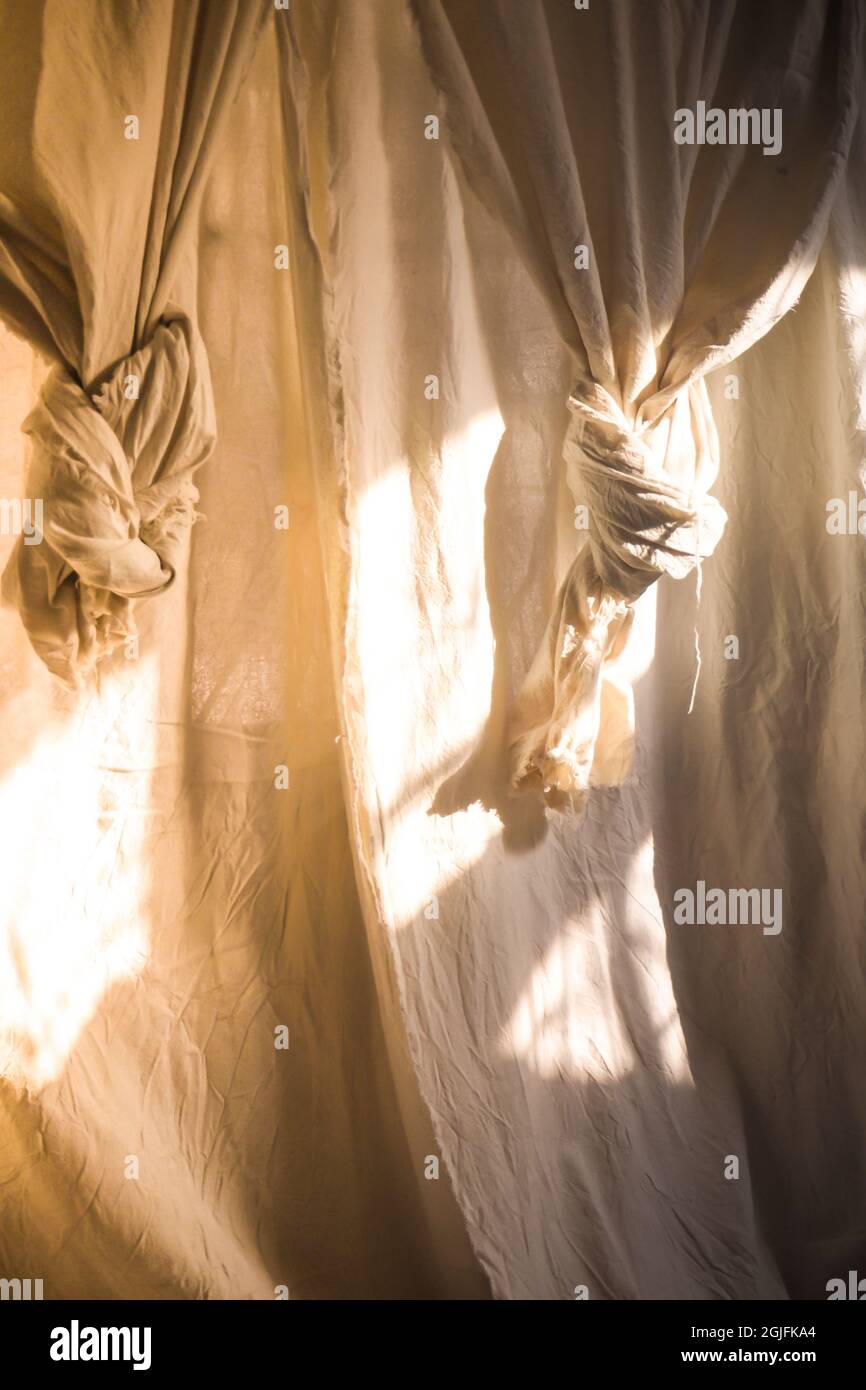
[659, 263]
[166, 907]
[590, 1062]
[100, 185]
[590, 1065]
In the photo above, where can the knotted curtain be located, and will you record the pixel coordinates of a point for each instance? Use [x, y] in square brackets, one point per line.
[100, 184]
[660, 262]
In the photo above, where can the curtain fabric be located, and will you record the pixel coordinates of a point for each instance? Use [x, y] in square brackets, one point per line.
[659, 262]
[101, 185]
[169, 914]
[591, 1063]
[590, 1066]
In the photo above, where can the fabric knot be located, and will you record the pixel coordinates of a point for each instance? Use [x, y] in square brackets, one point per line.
[113, 468]
[642, 482]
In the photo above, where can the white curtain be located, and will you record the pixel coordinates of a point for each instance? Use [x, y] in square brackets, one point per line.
[594, 1068]
[659, 262]
[296, 995]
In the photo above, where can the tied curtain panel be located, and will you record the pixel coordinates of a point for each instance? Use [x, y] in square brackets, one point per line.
[101, 185]
[660, 263]
[424, 316]
[591, 1063]
[166, 908]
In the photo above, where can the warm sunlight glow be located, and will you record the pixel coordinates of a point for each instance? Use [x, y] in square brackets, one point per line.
[404, 655]
[73, 819]
[601, 1001]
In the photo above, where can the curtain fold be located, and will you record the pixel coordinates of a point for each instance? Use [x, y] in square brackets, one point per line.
[659, 262]
[590, 1062]
[101, 185]
[167, 908]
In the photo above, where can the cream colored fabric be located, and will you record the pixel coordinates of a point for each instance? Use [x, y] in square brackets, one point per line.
[591, 1064]
[165, 906]
[565, 120]
[101, 182]
[113, 473]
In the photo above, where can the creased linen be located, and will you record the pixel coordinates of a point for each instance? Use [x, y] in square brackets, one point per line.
[94, 225]
[648, 253]
[114, 474]
[591, 1064]
[643, 525]
[168, 911]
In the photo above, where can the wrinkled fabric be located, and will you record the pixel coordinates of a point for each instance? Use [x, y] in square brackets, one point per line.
[643, 525]
[592, 1065]
[114, 473]
[167, 910]
[564, 121]
[87, 275]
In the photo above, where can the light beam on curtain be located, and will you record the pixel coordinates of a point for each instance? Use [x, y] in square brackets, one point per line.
[659, 261]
